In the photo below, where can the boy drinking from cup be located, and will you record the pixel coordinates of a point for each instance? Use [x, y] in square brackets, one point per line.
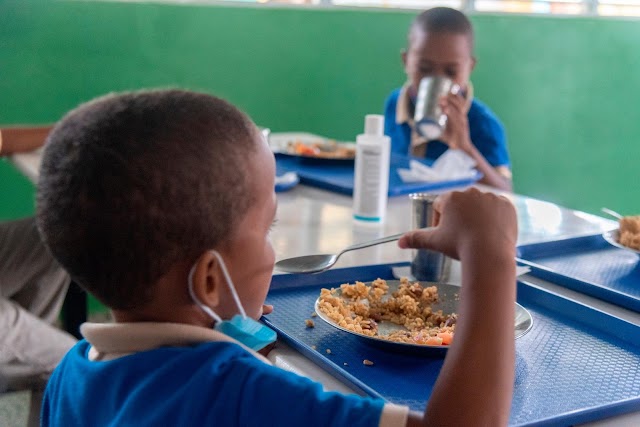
[440, 43]
[160, 204]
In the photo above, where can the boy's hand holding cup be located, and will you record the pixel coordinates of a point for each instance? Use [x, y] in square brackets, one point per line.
[441, 112]
[469, 222]
[430, 116]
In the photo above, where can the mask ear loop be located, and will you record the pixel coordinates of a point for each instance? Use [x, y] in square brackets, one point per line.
[195, 298]
[230, 283]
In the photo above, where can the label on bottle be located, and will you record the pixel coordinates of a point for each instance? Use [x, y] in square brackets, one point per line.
[369, 202]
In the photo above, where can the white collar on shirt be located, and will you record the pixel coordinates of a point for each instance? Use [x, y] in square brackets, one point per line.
[112, 340]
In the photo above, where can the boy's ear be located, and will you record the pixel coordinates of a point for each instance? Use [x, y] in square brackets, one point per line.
[474, 61]
[403, 57]
[208, 280]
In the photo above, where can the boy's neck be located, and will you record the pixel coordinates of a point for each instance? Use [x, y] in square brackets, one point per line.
[171, 302]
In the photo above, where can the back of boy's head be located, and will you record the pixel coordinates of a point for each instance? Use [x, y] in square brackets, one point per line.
[442, 20]
[131, 184]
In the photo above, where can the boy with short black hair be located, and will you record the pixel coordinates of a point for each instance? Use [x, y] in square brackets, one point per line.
[441, 43]
[160, 204]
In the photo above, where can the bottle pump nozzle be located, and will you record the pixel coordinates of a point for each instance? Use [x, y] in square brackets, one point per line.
[374, 124]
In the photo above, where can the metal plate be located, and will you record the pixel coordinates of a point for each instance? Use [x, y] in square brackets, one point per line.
[613, 238]
[448, 303]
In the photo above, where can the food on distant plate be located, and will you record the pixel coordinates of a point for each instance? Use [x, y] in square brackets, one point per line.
[629, 233]
[359, 308]
[325, 149]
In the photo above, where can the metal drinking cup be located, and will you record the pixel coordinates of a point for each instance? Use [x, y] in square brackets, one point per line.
[429, 118]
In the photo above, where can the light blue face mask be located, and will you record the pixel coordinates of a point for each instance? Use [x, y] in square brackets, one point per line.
[246, 330]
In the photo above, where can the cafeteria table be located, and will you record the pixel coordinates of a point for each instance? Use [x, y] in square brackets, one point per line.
[312, 220]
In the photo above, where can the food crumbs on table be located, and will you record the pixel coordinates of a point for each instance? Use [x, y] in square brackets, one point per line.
[367, 362]
[328, 351]
[313, 347]
[345, 364]
[314, 314]
[309, 323]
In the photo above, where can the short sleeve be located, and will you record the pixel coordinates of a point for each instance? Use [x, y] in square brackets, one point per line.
[488, 135]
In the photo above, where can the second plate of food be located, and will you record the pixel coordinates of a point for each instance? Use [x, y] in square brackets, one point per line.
[309, 146]
[613, 237]
[399, 315]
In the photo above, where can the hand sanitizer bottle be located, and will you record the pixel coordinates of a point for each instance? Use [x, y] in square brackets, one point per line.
[371, 175]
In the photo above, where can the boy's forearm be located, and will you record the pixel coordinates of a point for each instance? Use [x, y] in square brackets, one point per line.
[490, 175]
[16, 139]
[476, 382]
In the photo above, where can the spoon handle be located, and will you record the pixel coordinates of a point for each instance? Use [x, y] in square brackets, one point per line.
[375, 242]
[612, 213]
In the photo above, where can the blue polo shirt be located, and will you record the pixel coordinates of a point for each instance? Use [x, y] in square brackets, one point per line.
[485, 129]
[213, 384]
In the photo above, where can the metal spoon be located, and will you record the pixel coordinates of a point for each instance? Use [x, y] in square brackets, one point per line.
[614, 214]
[319, 263]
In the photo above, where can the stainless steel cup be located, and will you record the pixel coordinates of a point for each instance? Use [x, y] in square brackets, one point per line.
[429, 118]
[427, 265]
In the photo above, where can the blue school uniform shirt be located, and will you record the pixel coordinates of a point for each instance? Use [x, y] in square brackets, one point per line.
[213, 383]
[486, 133]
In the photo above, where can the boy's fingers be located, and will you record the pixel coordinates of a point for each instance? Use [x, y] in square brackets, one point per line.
[267, 308]
[417, 239]
[456, 102]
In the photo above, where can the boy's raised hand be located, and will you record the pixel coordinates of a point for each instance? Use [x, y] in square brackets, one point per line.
[457, 137]
[468, 221]
[456, 134]
[478, 372]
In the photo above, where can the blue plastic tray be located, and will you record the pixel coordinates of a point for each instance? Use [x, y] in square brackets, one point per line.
[576, 364]
[279, 188]
[589, 265]
[337, 176]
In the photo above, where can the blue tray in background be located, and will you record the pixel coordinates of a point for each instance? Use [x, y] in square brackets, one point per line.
[577, 364]
[589, 265]
[284, 186]
[337, 176]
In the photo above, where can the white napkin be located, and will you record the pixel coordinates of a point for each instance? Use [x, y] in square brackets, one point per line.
[452, 165]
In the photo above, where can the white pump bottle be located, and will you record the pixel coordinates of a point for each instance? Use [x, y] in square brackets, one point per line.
[371, 174]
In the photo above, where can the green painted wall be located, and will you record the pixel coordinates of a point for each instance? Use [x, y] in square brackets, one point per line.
[564, 87]
[17, 194]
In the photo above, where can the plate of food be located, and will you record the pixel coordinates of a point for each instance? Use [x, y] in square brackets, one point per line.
[310, 146]
[400, 314]
[627, 235]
